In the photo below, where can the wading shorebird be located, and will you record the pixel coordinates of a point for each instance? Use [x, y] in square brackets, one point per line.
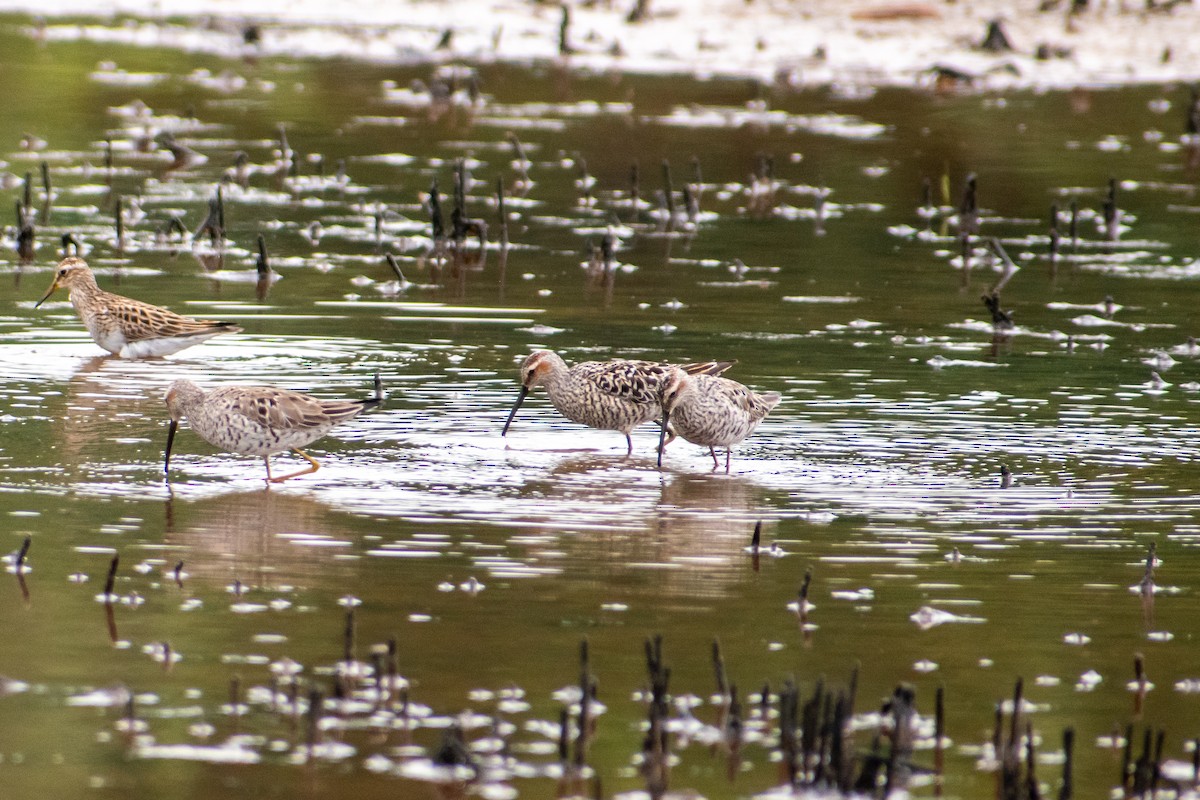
[259, 420]
[129, 328]
[615, 395]
[711, 411]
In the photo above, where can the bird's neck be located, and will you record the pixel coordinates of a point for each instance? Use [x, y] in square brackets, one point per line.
[84, 289]
[554, 378]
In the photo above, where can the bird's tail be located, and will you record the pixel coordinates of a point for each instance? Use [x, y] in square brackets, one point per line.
[379, 397]
[708, 367]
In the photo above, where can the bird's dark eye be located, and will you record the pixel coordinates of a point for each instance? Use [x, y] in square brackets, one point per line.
[62, 273]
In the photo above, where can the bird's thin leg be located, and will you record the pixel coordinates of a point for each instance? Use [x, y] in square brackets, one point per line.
[267, 462]
[728, 453]
[713, 453]
[312, 462]
[629, 443]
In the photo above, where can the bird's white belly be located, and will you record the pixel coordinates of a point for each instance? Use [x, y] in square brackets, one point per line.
[151, 348]
[111, 339]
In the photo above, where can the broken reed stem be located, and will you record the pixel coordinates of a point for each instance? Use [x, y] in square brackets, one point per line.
[564, 32]
[235, 696]
[719, 671]
[634, 190]
[564, 734]
[788, 702]
[111, 580]
[585, 698]
[378, 670]
[23, 552]
[1014, 731]
[1156, 771]
[263, 264]
[1067, 789]
[804, 586]
[1031, 783]
[393, 665]
[668, 190]
[458, 215]
[315, 701]
[500, 211]
[46, 188]
[585, 724]
[119, 218]
[348, 633]
[438, 227]
[939, 728]
[1111, 213]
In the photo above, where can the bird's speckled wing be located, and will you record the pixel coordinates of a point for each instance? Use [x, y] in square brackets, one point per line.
[742, 397]
[139, 321]
[283, 410]
[636, 381]
[755, 405]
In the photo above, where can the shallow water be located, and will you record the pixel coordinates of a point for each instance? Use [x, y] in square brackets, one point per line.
[489, 559]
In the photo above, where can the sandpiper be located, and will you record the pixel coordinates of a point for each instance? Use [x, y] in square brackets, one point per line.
[712, 411]
[129, 328]
[259, 420]
[616, 395]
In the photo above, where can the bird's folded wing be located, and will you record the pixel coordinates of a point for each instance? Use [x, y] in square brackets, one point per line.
[636, 381]
[283, 410]
[143, 321]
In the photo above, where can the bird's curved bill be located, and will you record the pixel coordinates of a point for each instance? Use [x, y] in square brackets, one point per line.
[520, 399]
[174, 426]
[53, 288]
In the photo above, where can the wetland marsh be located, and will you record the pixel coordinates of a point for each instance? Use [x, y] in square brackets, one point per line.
[812, 255]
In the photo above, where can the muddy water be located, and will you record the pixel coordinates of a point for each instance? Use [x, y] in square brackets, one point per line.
[490, 559]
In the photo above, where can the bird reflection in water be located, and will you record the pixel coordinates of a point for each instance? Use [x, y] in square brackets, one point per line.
[256, 538]
[690, 530]
[105, 407]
